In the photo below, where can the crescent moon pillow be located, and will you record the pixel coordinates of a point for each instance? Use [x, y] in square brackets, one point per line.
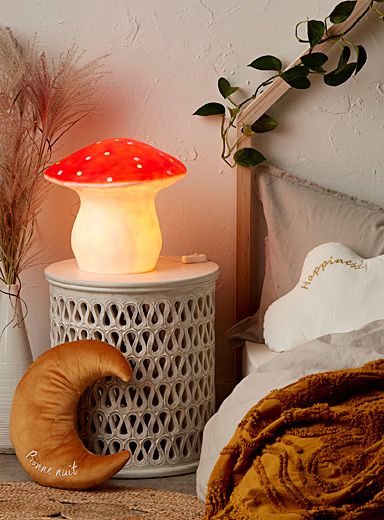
[338, 291]
[43, 415]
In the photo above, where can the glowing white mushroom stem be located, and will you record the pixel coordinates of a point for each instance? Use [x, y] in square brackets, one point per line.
[116, 230]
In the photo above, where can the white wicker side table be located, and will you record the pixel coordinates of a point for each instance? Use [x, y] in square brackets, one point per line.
[163, 322]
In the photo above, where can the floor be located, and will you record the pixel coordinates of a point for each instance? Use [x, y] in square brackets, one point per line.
[11, 470]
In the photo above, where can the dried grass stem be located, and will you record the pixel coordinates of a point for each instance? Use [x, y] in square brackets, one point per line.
[39, 102]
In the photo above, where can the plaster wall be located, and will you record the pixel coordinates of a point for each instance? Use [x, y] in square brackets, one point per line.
[164, 58]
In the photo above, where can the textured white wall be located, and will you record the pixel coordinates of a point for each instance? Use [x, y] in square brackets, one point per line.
[164, 58]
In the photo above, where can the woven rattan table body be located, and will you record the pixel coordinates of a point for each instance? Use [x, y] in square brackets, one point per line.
[163, 322]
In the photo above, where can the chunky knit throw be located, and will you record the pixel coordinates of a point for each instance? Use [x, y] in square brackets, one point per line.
[312, 450]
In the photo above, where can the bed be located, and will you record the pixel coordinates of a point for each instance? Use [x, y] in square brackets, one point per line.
[350, 236]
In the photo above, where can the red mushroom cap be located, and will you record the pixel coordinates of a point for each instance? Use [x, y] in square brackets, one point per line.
[115, 161]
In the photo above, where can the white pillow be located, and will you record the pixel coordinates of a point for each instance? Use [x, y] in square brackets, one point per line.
[338, 291]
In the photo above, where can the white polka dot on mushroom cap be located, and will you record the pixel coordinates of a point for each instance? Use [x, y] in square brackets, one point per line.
[109, 179]
[129, 142]
[107, 153]
[139, 165]
[169, 173]
[88, 158]
[59, 172]
[136, 158]
[79, 173]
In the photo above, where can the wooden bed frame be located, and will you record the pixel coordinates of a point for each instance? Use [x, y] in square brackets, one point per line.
[246, 297]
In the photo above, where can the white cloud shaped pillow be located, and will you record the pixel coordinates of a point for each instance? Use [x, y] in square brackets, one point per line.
[338, 291]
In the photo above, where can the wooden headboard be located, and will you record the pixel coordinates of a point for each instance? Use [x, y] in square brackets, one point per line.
[246, 296]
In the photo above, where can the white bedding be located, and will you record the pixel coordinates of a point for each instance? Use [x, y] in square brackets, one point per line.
[255, 355]
[331, 352]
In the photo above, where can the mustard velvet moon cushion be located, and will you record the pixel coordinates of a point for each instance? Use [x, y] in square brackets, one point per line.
[43, 415]
[338, 291]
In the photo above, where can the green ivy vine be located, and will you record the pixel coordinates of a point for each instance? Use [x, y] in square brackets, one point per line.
[351, 60]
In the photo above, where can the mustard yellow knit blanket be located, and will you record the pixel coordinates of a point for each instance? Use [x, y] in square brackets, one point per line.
[312, 450]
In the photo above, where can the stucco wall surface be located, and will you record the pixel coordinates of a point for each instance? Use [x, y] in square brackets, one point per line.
[164, 58]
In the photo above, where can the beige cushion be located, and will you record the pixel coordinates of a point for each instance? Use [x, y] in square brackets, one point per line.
[298, 216]
[44, 420]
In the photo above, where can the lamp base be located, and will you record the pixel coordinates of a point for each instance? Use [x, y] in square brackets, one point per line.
[117, 230]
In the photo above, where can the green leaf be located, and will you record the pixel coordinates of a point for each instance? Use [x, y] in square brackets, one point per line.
[315, 61]
[225, 88]
[342, 11]
[210, 109]
[247, 130]
[339, 76]
[234, 111]
[361, 58]
[316, 30]
[265, 123]
[296, 77]
[248, 157]
[344, 57]
[266, 63]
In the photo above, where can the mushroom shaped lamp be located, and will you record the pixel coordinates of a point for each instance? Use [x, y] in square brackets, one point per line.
[116, 230]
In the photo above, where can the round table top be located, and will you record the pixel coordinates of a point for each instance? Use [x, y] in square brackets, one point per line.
[170, 270]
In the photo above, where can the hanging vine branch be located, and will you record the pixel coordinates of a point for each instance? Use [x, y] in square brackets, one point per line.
[317, 32]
